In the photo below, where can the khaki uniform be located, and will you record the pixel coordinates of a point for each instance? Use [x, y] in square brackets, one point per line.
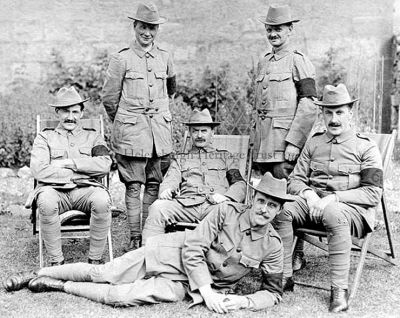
[220, 251]
[349, 166]
[286, 114]
[62, 189]
[135, 97]
[195, 176]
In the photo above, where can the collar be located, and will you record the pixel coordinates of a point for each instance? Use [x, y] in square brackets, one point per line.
[244, 226]
[341, 138]
[140, 52]
[280, 52]
[207, 149]
[60, 129]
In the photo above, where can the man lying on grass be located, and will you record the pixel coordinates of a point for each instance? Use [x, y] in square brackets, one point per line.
[203, 263]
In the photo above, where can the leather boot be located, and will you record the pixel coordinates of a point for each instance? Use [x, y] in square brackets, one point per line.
[288, 284]
[339, 300]
[95, 261]
[46, 283]
[57, 263]
[135, 243]
[299, 261]
[19, 280]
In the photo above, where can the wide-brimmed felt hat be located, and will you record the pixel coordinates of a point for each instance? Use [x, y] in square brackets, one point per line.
[334, 96]
[277, 15]
[201, 118]
[276, 188]
[148, 13]
[66, 97]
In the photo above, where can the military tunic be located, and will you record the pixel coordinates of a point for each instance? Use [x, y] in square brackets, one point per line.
[349, 166]
[136, 100]
[61, 189]
[220, 251]
[195, 176]
[285, 115]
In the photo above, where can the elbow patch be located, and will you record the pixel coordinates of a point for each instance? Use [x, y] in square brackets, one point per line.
[306, 88]
[171, 85]
[371, 177]
[100, 150]
[233, 176]
[273, 283]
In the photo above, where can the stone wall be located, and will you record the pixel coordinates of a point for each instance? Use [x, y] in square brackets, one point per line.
[199, 33]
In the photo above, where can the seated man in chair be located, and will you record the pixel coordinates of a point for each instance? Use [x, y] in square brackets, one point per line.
[66, 161]
[338, 182]
[203, 263]
[196, 181]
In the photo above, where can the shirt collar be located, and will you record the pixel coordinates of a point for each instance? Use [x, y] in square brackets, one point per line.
[341, 138]
[244, 226]
[140, 52]
[60, 129]
[208, 148]
[281, 51]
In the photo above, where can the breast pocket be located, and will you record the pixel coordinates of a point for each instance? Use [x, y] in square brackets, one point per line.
[216, 170]
[248, 261]
[57, 154]
[161, 85]
[85, 151]
[261, 96]
[280, 85]
[317, 169]
[134, 83]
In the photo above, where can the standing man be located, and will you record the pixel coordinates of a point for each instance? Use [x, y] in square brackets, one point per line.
[338, 182]
[139, 81]
[204, 263]
[197, 181]
[66, 161]
[285, 86]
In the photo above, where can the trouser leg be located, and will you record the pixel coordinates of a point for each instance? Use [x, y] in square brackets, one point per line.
[95, 201]
[143, 291]
[133, 207]
[164, 212]
[51, 203]
[293, 214]
[121, 270]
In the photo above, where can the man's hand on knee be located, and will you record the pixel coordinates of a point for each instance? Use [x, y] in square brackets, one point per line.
[217, 198]
[319, 206]
[167, 194]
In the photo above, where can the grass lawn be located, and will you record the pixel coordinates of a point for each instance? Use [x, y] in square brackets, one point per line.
[378, 294]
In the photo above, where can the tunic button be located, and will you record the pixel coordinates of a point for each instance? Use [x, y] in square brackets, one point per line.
[212, 190]
[334, 141]
[330, 177]
[72, 144]
[265, 86]
[332, 159]
[156, 109]
[224, 264]
[151, 84]
[151, 115]
[151, 100]
[248, 233]
[238, 250]
[149, 69]
[263, 102]
[147, 109]
[147, 55]
[203, 163]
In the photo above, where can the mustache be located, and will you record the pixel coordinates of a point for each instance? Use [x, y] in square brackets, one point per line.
[334, 125]
[69, 121]
[199, 139]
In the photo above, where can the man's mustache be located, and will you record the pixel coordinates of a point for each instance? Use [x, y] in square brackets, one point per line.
[200, 139]
[334, 125]
[68, 121]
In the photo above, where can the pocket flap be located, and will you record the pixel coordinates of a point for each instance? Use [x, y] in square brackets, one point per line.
[260, 77]
[226, 242]
[134, 75]
[279, 77]
[128, 120]
[162, 74]
[85, 151]
[349, 168]
[249, 262]
[282, 123]
[316, 166]
[57, 153]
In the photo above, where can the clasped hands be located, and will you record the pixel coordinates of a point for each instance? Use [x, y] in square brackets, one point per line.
[168, 194]
[316, 205]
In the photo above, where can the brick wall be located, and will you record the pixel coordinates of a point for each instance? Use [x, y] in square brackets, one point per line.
[199, 33]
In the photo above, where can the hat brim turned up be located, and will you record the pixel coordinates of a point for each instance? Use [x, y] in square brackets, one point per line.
[321, 103]
[68, 104]
[161, 20]
[263, 19]
[287, 197]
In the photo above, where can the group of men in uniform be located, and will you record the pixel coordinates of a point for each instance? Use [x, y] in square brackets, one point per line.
[334, 180]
